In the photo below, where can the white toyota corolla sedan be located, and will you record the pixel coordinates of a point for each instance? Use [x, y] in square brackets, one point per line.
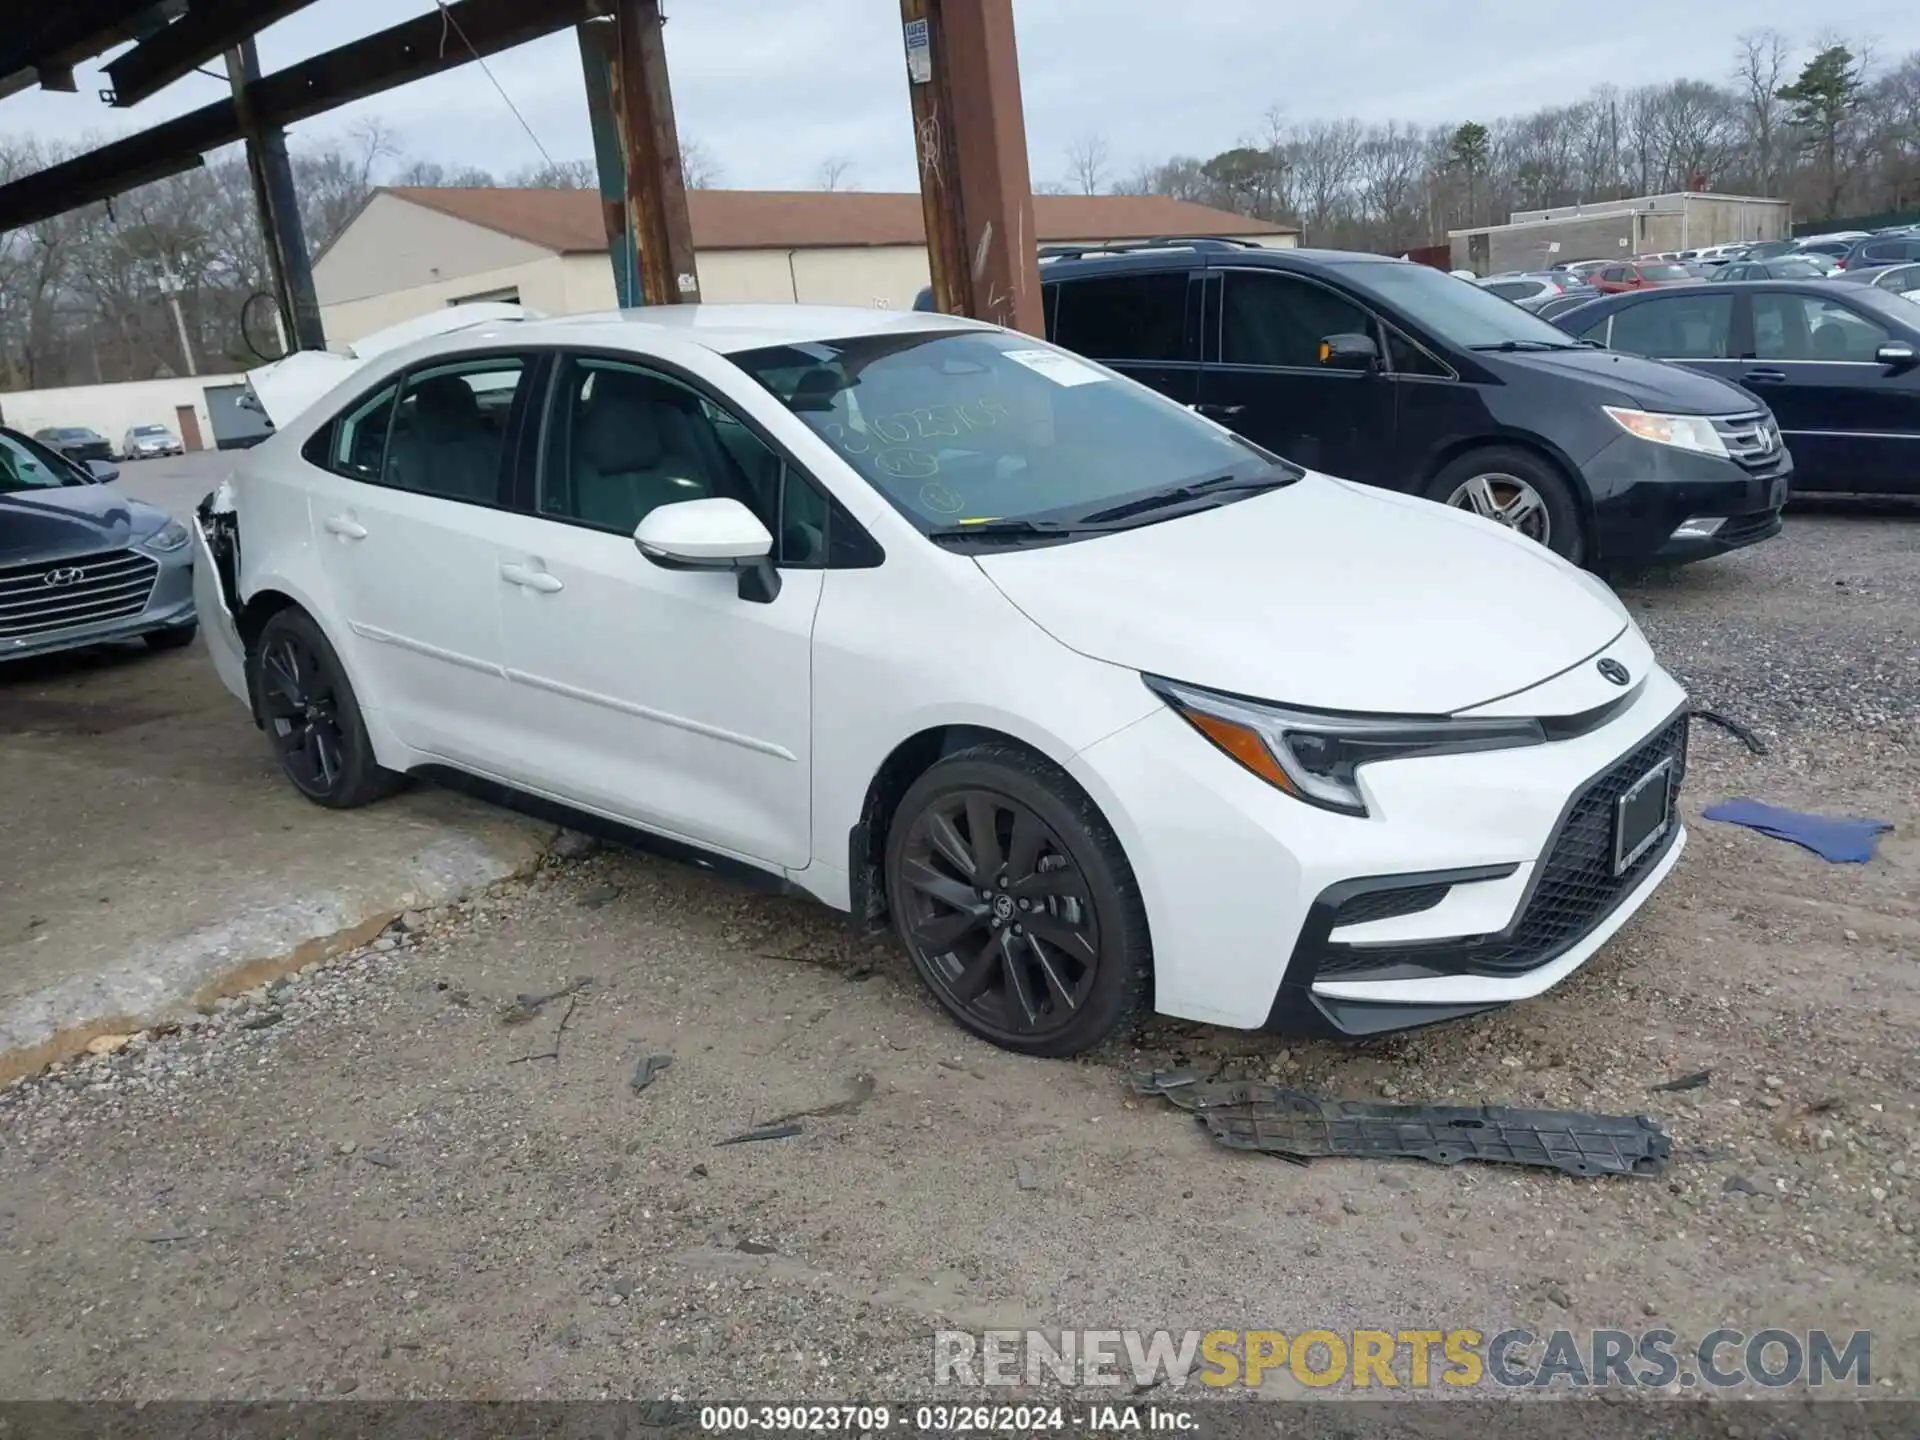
[1096, 703]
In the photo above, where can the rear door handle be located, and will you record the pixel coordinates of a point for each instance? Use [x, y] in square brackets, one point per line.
[346, 527]
[528, 578]
[1765, 377]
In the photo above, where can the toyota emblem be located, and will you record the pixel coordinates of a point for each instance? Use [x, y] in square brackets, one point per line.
[1614, 671]
[66, 575]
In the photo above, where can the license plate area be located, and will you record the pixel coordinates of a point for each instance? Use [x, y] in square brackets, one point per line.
[1642, 815]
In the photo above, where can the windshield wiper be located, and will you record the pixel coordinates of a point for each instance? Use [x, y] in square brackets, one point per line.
[1198, 490]
[1509, 346]
[1015, 529]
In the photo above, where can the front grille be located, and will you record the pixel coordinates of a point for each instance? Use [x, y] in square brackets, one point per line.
[1752, 439]
[1389, 904]
[1574, 890]
[46, 596]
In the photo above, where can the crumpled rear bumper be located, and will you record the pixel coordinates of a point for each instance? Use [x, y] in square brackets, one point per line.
[216, 571]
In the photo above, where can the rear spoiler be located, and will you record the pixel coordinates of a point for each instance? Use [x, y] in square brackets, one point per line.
[284, 388]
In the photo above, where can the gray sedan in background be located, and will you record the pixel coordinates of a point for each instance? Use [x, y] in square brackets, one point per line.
[80, 563]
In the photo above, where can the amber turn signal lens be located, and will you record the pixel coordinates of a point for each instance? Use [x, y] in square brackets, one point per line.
[1326, 352]
[1244, 745]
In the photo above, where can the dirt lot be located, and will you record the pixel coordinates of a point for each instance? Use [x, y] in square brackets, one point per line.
[365, 1182]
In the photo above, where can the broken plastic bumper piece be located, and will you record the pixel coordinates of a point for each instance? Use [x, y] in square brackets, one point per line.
[1300, 1127]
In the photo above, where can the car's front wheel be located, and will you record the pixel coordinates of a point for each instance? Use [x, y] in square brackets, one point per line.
[307, 706]
[1517, 489]
[1016, 902]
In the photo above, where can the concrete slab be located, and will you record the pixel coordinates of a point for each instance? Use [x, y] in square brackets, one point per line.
[152, 857]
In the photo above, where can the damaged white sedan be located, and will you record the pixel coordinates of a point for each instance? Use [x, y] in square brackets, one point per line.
[1097, 703]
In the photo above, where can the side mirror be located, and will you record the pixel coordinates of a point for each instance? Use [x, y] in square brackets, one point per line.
[103, 472]
[1349, 352]
[714, 534]
[1896, 352]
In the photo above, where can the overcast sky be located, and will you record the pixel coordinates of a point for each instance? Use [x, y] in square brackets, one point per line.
[774, 87]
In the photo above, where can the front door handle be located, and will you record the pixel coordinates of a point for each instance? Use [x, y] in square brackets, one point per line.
[346, 527]
[528, 578]
[1765, 377]
[1206, 409]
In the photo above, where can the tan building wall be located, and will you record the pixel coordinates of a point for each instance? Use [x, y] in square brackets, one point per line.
[399, 260]
[393, 245]
[111, 409]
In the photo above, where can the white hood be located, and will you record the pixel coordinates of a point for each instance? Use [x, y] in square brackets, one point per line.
[1322, 594]
[286, 387]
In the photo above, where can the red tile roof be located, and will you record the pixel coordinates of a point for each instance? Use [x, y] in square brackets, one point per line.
[570, 221]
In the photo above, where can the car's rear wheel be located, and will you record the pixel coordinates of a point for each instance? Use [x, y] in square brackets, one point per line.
[1016, 902]
[308, 709]
[1517, 489]
[178, 638]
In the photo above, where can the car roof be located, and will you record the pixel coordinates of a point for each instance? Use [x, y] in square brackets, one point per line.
[1174, 257]
[723, 329]
[1884, 301]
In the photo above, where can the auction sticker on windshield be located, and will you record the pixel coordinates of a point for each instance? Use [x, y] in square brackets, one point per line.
[1061, 369]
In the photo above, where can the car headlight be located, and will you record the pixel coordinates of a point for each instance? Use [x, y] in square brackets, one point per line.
[169, 537]
[1683, 432]
[1316, 756]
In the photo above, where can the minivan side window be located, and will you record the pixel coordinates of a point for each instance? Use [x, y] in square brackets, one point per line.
[1278, 320]
[1124, 317]
[1678, 327]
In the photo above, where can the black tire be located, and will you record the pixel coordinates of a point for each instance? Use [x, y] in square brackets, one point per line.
[177, 638]
[1507, 470]
[307, 707]
[1050, 954]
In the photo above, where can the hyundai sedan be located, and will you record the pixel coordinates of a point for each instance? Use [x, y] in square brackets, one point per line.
[1098, 704]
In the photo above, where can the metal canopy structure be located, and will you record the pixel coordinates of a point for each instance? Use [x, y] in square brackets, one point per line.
[962, 70]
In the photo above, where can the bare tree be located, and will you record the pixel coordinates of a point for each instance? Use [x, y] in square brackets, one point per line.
[559, 175]
[1759, 74]
[1087, 160]
[833, 173]
[699, 169]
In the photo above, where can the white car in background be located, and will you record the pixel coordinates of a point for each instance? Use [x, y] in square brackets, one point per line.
[1099, 704]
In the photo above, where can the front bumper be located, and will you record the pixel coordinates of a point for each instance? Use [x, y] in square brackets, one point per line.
[169, 606]
[1643, 492]
[1266, 912]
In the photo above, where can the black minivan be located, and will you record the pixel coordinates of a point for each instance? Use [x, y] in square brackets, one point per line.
[1396, 374]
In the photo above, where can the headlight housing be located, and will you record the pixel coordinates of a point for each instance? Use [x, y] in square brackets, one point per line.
[1683, 432]
[168, 538]
[1316, 756]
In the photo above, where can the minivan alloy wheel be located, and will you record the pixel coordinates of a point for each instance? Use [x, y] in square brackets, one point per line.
[1506, 500]
[999, 915]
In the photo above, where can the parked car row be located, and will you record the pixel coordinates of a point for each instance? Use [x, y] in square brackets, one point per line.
[141, 442]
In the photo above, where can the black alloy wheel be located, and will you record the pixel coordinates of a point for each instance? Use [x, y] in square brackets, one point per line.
[308, 710]
[1010, 904]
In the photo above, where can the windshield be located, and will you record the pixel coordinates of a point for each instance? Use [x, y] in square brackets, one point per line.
[25, 466]
[960, 428]
[1455, 310]
[150, 430]
[1665, 272]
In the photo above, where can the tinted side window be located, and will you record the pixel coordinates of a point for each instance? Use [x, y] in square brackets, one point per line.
[1406, 358]
[1279, 320]
[623, 441]
[357, 441]
[1124, 317]
[450, 429]
[1685, 327]
[1614, 273]
[1809, 327]
[1514, 289]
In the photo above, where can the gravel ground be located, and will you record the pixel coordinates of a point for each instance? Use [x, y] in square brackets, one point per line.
[389, 1176]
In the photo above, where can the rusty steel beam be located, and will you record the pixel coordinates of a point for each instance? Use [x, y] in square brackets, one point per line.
[963, 74]
[209, 28]
[655, 195]
[277, 206]
[395, 56]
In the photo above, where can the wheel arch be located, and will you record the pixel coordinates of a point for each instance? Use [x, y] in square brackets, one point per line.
[267, 600]
[1533, 444]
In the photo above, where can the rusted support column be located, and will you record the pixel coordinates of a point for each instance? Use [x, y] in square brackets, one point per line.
[277, 207]
[963, 73]
[658, 236]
